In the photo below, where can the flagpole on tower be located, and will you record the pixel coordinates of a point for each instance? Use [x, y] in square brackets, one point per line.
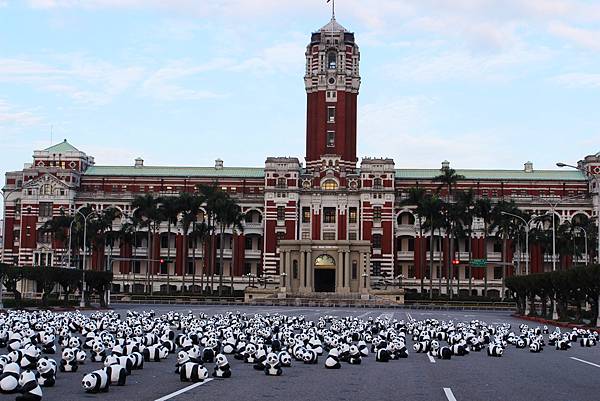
[332, 8]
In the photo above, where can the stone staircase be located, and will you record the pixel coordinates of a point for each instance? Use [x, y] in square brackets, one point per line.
[323, 299]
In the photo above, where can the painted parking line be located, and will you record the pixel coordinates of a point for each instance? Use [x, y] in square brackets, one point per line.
[449, 394]
[431, 358]
[183, 390]
[581, 360]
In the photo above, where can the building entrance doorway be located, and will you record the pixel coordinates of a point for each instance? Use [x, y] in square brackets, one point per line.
[324, 280]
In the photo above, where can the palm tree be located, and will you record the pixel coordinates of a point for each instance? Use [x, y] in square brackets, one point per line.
[466, 206]
[483, 210]
[189, 207]
[432, 210]
[416, 197]
[449, 178]
[199, 233]
[213, 196]
[228, 214]
[169, 208]
[147, 211]
[126, 236]
[505, 229]
[106, 219]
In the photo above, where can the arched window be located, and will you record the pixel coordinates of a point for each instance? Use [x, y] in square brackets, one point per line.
[331, 60]
[325, 261]
[329, 185]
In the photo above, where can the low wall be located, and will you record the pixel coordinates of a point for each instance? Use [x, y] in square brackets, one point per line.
[394, 296]
[251, 294]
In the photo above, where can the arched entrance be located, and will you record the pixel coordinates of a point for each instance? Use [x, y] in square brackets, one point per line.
[324, 273]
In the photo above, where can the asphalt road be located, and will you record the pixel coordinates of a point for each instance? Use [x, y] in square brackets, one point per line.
[518, 375]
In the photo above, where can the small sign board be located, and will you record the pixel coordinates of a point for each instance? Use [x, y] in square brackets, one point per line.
[479, 262]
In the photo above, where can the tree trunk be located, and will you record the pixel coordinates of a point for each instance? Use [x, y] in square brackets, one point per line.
[221, 267]
[431, 264]
[168, 258]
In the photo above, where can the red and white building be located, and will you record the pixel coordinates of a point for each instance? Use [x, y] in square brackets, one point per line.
[330, 223]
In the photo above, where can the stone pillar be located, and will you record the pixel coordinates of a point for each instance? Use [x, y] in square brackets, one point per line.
[309, 272]
[347, 271]
[339, 272]
[287, 269]
[302, 287]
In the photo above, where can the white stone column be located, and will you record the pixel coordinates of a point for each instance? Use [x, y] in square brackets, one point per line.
[346, 283]
[288, 269]
[309, 272]
[301, 287]
[339, 272]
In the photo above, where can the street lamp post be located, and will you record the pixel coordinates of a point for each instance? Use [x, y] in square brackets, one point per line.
[585, 243]
[85, 219]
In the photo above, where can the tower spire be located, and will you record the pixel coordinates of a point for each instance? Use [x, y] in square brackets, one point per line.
[332, 8]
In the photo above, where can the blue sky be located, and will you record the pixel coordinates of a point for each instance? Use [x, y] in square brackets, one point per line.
[482, 83]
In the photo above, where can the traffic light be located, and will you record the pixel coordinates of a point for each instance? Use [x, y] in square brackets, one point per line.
[456, 262]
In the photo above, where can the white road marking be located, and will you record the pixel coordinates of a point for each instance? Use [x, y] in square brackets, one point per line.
[581, 360]
[431, 358]
[183, 390]
[409, 317]
[449, 394]
[363, 315]
[386, 316]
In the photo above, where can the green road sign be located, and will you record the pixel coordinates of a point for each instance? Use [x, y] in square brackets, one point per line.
[479, 262]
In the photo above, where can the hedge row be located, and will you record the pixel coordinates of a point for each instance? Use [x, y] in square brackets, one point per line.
[47, 278]
[565, 288]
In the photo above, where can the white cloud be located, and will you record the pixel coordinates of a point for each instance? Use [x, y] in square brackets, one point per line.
[10, 114]
[586, 38]
[165, 83]
[287, 57]
[578, 80]
[402, 129]
[431, 66]
[87, 81]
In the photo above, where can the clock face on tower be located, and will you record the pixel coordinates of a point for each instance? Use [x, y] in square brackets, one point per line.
[331, 81]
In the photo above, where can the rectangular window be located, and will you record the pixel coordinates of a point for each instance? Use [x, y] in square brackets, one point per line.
[331, 114]
[247, 268]
[305, 234]
[377, 213]
[164, 241]
[45, 209]
[411, 270]
[329, 214]
[352, 215]
[191, 268]
[376, 241]
[497, 272]
[306, 214]
[280, 213]
[137, 266]
[329, 236]
[280, 236]
[352, 236]
[248, 243]
[411, 245]
[497, 247]
[377, 268]
[217, 268]
[330, 139]
[354, 270]
[295, 269]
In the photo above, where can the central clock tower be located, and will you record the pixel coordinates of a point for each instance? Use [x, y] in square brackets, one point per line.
[332, 82]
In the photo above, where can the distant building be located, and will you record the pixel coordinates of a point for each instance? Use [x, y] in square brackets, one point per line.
[331, 224]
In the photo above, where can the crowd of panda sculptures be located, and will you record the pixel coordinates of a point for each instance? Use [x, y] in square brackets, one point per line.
[106, 347]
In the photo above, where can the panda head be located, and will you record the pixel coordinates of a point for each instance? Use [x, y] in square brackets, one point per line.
[88, 382]
[111, 360]
[68, 354]
[334, 352]
[74, 342]
[43, 365]
[272, 359]
[221, 360]
[98, 346]
[285, 358]
[182, 357]
[26, 377]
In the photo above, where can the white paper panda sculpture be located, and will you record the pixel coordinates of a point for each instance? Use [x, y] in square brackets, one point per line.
[272, 366]
[68, 362]
[222, 368]
[192, 372]
[28, 387]
[9, 379]
[96, 382]
[46, 369]
[495, 350]
[333, 359]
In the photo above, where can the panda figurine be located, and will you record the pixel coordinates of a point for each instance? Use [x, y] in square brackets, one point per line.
[96, 382]
[311, 357]
[363, 349]
[354, 357]
[441, 353]
[208, 355]
[222, 368]
[29, 388]
[155, 353]
[285, 359]
[68, 362]
[48, 343]
[229, 345]
[272, 366]
[192, 372]
[382, 355]
[495, 350]
[46, 369]
[459, 350]
[535, 347]
[81, 356]
[98, 352]
[137, 360]
[587, 342]
[117, 375]
[563, 345]
[333, 361]
[9, 379]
